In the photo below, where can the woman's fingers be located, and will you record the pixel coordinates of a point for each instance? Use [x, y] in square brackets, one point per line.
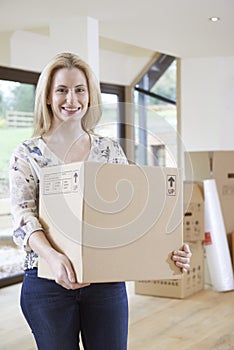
[182, 257]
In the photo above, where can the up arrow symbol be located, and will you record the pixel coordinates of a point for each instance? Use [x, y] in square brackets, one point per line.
[75, 177]
[171, 180]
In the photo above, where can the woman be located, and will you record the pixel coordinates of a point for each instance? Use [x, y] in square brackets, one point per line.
[67, 108]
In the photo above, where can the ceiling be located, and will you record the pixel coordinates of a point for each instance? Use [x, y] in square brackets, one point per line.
[177, 27]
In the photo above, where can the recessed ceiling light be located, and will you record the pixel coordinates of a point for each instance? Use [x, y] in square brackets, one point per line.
[214, 19]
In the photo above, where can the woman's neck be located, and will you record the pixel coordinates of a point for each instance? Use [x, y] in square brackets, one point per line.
[68, 141]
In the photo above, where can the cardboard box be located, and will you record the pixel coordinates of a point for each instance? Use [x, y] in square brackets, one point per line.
[232, 249]
[115, 222]
[193, 227]
[190, 283]
[218, 165]
[230, 238]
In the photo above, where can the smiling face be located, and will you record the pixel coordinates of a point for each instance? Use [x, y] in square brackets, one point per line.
[68, 96]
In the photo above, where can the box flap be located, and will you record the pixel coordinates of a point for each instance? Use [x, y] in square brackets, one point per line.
[61, 210]
[193, 192]
[198, 165]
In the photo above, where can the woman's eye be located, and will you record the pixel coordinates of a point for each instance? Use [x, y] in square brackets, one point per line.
[65, 91]
[60, 90]
[80, 91]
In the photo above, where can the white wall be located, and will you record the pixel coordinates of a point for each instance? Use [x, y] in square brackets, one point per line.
[32, 50]
[29, 50]
[118, 68]
[207, 108]
[207, 89]
[5, 48]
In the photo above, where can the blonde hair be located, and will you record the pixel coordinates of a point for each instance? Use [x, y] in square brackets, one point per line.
[42, 111]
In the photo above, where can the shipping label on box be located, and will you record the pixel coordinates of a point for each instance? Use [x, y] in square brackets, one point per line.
[190, 283]
[115, 222]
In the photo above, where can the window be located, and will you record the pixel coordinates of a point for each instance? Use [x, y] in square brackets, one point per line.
[156, 114]
[112, 123]
[16, 124]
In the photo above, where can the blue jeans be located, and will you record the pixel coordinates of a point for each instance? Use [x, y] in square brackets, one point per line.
[57, 316]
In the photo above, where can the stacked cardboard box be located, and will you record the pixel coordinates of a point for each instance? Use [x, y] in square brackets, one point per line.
[218, 165]
[230, 240]
[193, 232]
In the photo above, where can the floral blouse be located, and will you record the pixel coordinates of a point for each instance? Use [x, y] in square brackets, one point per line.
[25, 164]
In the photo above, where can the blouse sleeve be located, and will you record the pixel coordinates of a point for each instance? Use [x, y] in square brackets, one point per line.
[24, 197]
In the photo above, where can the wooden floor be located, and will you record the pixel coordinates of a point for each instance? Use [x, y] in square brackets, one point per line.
[202, 321]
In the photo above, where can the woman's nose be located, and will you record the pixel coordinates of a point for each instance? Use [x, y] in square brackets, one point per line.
[70, 97]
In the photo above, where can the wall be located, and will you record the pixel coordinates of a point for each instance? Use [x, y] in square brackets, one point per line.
[207, 84]
[117, 68]
[119, 63]
[207, 110]
[29, 50]
[5, 55]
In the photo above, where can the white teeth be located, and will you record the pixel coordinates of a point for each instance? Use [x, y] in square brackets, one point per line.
[71, 109]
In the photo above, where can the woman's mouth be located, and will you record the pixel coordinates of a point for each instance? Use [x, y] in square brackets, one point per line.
[71, 109]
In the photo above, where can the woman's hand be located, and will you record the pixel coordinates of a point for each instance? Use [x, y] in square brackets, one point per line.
[59, 263]
[63, 272]
[182, 257]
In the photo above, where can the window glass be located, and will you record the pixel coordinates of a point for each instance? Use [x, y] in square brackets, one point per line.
[166, 86]
[16, 124]
[156, 121]
[108, 125]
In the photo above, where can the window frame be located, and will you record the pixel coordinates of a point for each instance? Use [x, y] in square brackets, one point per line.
[118, 90]
[143, 85]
